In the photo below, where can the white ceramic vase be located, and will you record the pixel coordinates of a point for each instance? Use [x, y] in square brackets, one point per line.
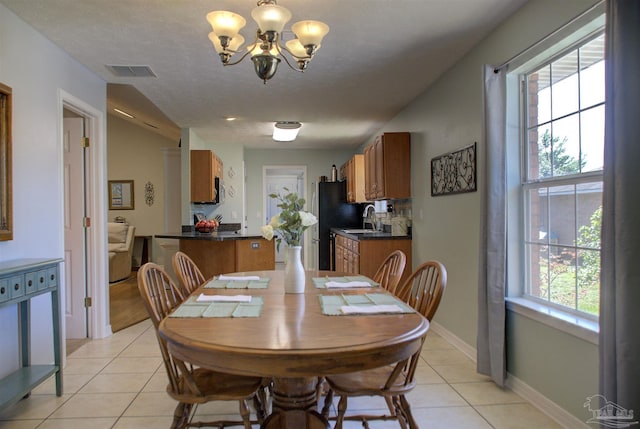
[294, 277]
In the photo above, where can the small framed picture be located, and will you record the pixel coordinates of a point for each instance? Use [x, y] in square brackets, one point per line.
[6, 189]
[121, 195]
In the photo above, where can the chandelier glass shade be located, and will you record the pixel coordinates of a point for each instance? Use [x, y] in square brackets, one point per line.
[267, 49]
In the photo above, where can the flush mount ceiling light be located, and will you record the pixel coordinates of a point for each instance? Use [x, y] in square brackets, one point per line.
[286, 131]
[267, 47]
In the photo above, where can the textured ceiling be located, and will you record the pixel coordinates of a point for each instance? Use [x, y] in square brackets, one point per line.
[378, 56]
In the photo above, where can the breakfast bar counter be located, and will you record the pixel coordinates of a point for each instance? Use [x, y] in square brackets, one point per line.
[210, 236]
[222, 252]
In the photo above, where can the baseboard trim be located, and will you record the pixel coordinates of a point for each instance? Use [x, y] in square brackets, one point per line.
[465, 348]
[519, 387]
[544, 404]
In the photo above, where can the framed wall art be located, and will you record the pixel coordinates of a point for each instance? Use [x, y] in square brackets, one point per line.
[121, 195]
[454, 172]
[6, 188]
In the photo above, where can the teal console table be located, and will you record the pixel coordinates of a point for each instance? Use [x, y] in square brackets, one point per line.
[21, 280]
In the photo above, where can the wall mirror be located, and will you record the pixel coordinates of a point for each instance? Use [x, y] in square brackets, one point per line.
[6, 190]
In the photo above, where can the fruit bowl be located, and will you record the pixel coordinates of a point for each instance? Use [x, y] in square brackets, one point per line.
[207, 226]
[205, 229]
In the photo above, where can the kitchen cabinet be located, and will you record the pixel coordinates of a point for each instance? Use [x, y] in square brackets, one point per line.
[387, 167]
[353, 172]
[228, 252]
[20, 281]
[205, 167]
[347, 255]
[363, 256]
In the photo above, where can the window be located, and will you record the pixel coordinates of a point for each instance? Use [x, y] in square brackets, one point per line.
[561, 190]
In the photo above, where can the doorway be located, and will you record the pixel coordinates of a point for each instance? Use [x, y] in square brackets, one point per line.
[276, 179]
[91, 319]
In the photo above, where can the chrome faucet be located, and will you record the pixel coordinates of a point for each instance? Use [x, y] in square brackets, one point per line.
[366, 217]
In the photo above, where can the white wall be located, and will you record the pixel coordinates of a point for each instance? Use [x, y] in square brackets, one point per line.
[447, 117]
[37, 71]
[134, 153]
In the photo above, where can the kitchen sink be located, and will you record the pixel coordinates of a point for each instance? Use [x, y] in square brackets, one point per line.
[358, 231]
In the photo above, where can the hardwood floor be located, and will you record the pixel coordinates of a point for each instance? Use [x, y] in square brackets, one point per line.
[126, 307]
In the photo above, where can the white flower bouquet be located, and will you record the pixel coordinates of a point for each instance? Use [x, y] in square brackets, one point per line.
[291, 222]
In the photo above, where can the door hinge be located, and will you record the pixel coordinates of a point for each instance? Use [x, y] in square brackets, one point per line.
[87, 301]
[86, 222]
[86, 142]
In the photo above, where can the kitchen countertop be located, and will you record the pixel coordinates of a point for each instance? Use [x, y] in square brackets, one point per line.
[377, 235]
[210, 236]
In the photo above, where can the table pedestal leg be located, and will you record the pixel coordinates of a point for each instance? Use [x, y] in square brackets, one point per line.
[294, 405]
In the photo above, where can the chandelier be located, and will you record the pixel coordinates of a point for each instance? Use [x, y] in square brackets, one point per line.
[267, 47]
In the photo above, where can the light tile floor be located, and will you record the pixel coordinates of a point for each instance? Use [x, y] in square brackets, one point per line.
[119, 382]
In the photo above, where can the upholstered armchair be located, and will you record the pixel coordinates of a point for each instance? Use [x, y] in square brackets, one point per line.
[120, 237]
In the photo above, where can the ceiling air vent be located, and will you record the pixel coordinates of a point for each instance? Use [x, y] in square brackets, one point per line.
[131, 71]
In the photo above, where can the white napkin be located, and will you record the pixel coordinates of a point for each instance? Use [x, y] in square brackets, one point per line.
[370, 309]
[227, 298]
[237, 278]
[347, 284]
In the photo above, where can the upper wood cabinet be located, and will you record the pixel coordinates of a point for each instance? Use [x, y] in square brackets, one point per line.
[205, 167]
[387, 167]
[353, 172]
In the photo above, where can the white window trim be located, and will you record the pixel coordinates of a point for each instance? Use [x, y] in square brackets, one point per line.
[516, 301]
[564, 321]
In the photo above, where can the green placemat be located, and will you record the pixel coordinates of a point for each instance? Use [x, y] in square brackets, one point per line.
[332, 304]
[319, 282]
[245, 310]
[192, 308]
[262, 283]
[189, 310]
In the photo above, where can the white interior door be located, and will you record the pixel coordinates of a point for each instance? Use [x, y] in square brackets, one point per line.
[276, 185]
[74, 231]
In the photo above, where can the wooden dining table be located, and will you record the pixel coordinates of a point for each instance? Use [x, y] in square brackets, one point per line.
[293, 343]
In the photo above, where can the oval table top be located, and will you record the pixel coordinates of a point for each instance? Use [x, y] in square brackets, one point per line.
[292, 338]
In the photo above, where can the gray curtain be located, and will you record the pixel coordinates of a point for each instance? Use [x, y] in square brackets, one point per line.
[493, 230]
[620, 287]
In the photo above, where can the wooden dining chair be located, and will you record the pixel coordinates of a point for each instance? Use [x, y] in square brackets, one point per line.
[423, 291]
[189, 385]
[390, 271]
[424, 288]
[188, 273]
[388, 276]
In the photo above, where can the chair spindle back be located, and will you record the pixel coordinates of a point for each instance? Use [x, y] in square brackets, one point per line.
[390, 271]
[188, 273]
[424, 288]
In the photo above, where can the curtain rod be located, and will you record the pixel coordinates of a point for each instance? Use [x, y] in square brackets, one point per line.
[547, 37]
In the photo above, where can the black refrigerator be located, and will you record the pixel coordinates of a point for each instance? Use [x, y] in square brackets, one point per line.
[333, 212]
